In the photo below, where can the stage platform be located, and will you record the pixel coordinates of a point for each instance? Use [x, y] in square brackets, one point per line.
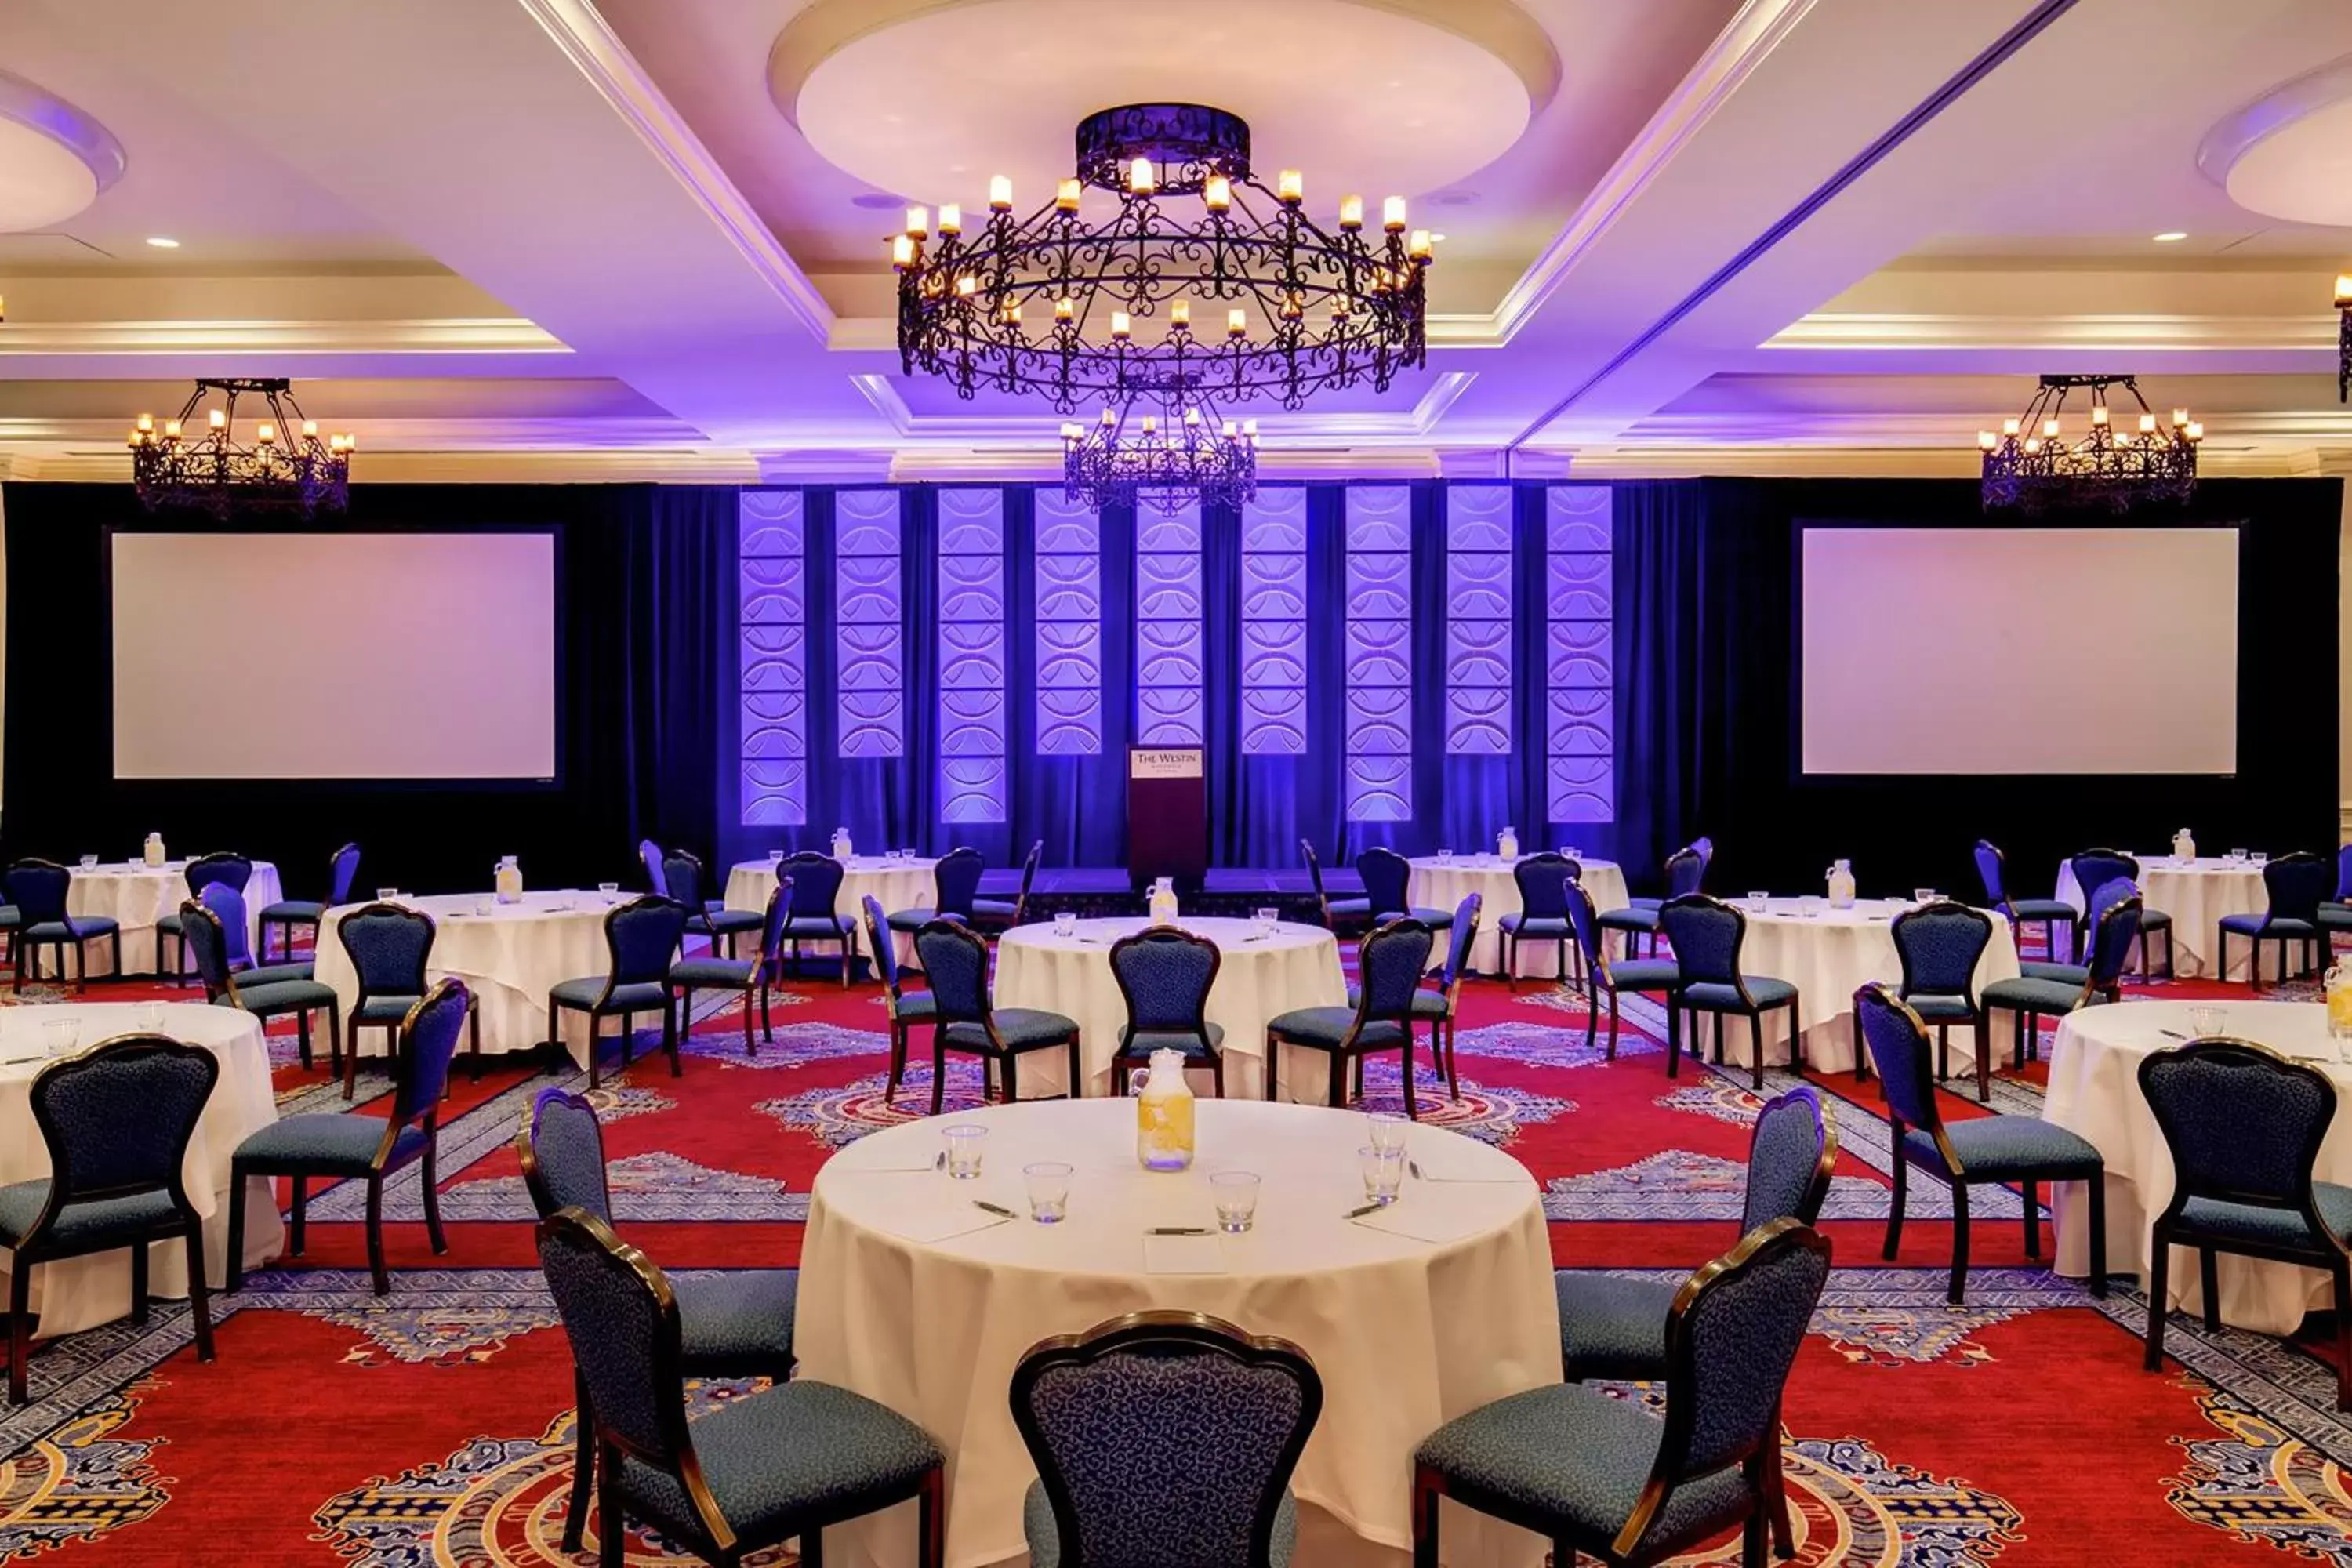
[1107, 890]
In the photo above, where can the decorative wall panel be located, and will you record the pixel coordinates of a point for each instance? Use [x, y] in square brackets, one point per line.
[870, 661]
[1169, 640]
[1477, 620]
[1579, 681]
[1376, 753]
[1068, 548]
[1274, 623]
[772, 548]
[973, 656]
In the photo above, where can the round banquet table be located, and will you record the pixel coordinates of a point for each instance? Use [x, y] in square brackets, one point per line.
[895, 884]
[135, 895]
[1443, 885]
[1257, 978]
[1827, 957]
[509, 959]
[2095, 1091]
[2195, 894]
[83, 1292]
[1408, 1327]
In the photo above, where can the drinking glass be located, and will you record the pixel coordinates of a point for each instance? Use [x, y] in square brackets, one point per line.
[486, 905]
[1922, 897]
[2258, 860]
[90, 862]
[1383, 1172]
[2206, 1022]
[1236, 1194]
[59, 1035]
[608, 888]
[1267, 919]
[1573, 852]
[385, 895]
[1810, 906]
[1758, 902]
[966, 1140]
[1388, 1133]
[2238, 857]
[1066, 922]
[775, 856]
[151, 1017]
[1049, 1191]
[1446, 857]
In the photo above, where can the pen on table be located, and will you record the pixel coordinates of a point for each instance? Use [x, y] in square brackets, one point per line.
[2172, 1033]
[994, 1208]
[1178, 1230]
[1414, 1166]
[1360, 1213]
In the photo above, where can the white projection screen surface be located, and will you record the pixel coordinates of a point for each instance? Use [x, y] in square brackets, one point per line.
[2026, 650]
[334, 656]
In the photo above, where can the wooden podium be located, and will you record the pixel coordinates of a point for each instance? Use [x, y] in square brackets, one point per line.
[1167, 815]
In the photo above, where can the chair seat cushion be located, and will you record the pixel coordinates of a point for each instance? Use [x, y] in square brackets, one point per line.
[1342, 909]
[2267, 925]
[292, 911]
[1573, 1454]
[1426, 1003]
[383, 1009]
[1613, 1327]
[2044, 910]
[274, 996]
[1645, 974]
[73, 928]
[909, 920]
[2075, 974]
[1019, 1027]
[2333, 916]
[83, 1224]
[1435, 919]
[722, 923]
[645, 996]
[2054, 998]
[737, 1323]
[823, 928]
[168, 922]
[275, 973]
[324, 1144]
[2265, 1227]
[2154, 920]
[1045, 1539]
[1997, 1146]
[1632, 917]
[916, 1005]
[734, 973]
[1710, 997]
[1528, 925]
[1140, 1042]
[789, 1450]
[995, 908]
[1935, 1007]
[1326, 1027]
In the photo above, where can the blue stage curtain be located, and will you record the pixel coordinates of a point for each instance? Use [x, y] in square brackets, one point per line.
[1660, 540]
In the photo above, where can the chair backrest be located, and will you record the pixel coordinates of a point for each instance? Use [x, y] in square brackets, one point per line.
[955, 966]
[2112, 935]
[204, 938]
[771, 927]
[225, 901]
[2097, 868]
[816, 883]
[955, 880]
[2343, 874]
[388, 947]
[620, 1318]
[878, 943]
[1586, 919]
[1389, 962]
[651, 854]
[640, 939]
[117, 1118]
[682, 879]
[1543, 881]
[38, 889]
[1897, 1042]
[342, 872]
[1706, 936]
[1939, 946]
[1186, 1410]
[1166, 976]
[1687, 868]
[1458, 937]
[428, 1039]
[1989, 872]
[561, 1150]
[1315, 875]
[1028, 879]
[235, 870]
[1387, 875]
[1790, 1157]
[2297, 884]
[2243, 1124]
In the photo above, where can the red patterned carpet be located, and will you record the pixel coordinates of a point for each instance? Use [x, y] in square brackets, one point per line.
[432, 1427]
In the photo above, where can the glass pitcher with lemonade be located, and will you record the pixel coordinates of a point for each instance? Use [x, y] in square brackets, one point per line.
[2340, 1001]
[1163, 1113]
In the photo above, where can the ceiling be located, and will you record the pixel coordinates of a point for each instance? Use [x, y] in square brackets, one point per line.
[552, 238]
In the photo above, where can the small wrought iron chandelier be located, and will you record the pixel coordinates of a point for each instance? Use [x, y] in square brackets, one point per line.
[2033, 465]
[1167, 446]
[287, 466]
[2343, 338]
[1081, 310]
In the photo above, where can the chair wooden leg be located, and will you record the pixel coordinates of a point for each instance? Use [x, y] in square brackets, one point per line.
[1776, 1494]
[20, 1329]
[1956, 1291]
[897, 1061]
[1983, 1028]
[2098, 1205]
[1339, 1079]
[939, 1069]
[584, 1466]
[376, 1269]
[1897, 1200]
[2031, 1192]
[1077, 1068]
[474, 1034]
[1412, 1106]
[930, 1521]
[235, 1280]
[1011, 1070]
[200, 1307]
[295, 1216]
[2209, 1284]
[2343, 1337]
[2159, 1265]
[1425, 1500]
[431, 1184]
[1452, 1071]
[612, 1524]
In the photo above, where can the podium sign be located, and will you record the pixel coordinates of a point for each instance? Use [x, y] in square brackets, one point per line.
[1167, 815]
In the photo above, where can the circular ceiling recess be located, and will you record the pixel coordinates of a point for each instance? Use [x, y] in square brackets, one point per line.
[54, 159]
[2289, 155]
[1365, 97]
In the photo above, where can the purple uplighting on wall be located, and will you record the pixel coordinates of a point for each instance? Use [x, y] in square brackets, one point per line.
[1378, 749]
[1168, 635]
[1580, 608]
[972, 655]
[1274, 623]
[773, 575]
[1068, 547]
[1477, 620]
[869, 639]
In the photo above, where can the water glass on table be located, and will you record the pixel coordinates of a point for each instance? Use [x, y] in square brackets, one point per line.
[1388, 1132]
[966, 1142]
[90, 862]
[60, 1037]
[1236, 1194]
[1267, 918]
[1066, 922]
[1758, 902]
[2207, 1021]
[1048, 1182]
[1383, 1172]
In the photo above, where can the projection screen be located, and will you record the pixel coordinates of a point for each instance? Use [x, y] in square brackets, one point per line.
[2027, 650]
[334, 656]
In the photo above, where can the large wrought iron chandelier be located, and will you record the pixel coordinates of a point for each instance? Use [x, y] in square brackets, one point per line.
[1165, 445]
[287, 466]
[1081, 310]
[2034, 465]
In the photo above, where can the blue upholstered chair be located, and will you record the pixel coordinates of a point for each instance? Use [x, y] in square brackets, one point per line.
[36, 890]
[955, 962]
[1685, 874]
[650, 855]
[388, 947]
[116, 1119]
[1353, 914]
[759, 1470]
[1600, 1475]
[1185, 1410]
[1440, 990]
[907, 1008]
[994, 915]
[813, 914]
[955, 882]
[358, 1146]
[2097, 900]
[1707, 935]
[1542, 916]
[2335, 913]
[2056, 991]
[2244, 1126]
[207, 937]
[2047, 913]
[287, 914]
[1391, 962]
[641, 940]
[2020, 1150]
[1166, 976]
[1939, 947]
[221, 867]
[704, 916]
[737, 1323]
[1611, 1327]
[229, 904]
[1605, 976]
[2097, 868]
[747, 977]
[2296, 885]
[1388, 878]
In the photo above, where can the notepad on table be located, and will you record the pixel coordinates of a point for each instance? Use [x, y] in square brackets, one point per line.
[1448, 1165]
[1431, 1222]
[940, 1224]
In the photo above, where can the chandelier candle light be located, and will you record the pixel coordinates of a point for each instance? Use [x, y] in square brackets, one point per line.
[2035, 465]
[289, 466]
[1166, 445]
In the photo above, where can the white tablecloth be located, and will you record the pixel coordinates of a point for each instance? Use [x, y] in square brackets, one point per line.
[1827, 958]
[83, 1292]
[2195, 894]
[510, 959]
[135, 895]
[1405, 1333]
[895, 884]
[1295, 966]
[2095, 1091]
[1443, 885]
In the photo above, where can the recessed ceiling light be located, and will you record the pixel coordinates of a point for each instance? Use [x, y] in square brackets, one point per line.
[1437, 240]
[161, 243]
[2172, 236]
